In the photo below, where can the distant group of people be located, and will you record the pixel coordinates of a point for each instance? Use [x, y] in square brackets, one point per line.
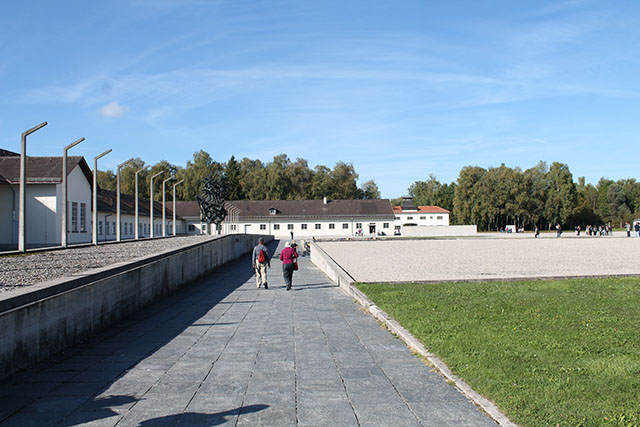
[599, 230]
[635, 227]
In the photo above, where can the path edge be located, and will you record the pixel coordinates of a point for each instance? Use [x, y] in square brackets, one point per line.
[346, 282]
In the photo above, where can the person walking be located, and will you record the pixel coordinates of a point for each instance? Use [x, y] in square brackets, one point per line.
[636, 227]
[536, 232]
[260, 260]
[289, 258]
[627, 226]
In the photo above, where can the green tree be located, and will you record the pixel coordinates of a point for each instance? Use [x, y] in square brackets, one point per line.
[344, 178]
[233, 173]
[369, 190]
[562, 196]
[194, 174]
[321, 182]
[300, 177]
[278, 185]
[107, 180]
[425, 193]
[465, 198]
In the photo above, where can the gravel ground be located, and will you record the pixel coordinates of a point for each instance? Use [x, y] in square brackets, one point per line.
[24, 270]
[490, 257]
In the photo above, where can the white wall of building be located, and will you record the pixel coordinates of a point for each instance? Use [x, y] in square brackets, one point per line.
[334, 227]
[107, 226]
[79, 208]
[421, 218]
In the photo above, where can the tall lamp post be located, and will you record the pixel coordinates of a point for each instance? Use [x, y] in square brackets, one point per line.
[151, 203]
[22, 229]
[137, 233]
[174, 205]
[164, 223]
[95, 196]
[65, 208]
[118, 227]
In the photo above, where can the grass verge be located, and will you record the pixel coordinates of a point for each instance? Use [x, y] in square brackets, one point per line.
[562, 352]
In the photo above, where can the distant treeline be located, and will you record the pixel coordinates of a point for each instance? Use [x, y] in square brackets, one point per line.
[246, 179]
[542, 195]
[491, 198]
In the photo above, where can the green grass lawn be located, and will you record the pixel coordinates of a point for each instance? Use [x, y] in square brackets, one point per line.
[562, 352]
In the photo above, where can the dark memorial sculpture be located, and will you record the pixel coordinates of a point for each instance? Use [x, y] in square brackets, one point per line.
[211, 200]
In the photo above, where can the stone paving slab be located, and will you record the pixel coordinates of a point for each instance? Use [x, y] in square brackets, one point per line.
[222, 352]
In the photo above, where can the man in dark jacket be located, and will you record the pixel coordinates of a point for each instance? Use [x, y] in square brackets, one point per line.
[261, 267]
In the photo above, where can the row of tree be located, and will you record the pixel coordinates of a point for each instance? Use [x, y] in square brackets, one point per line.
[491, 198]
[247, 179]
[542, 195]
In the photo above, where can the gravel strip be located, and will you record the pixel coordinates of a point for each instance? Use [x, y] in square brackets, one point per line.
[486, 258]
[25, 270]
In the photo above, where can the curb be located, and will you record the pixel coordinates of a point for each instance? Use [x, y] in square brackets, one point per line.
[412, 342]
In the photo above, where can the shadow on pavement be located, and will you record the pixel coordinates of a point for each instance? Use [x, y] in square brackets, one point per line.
[77, 376]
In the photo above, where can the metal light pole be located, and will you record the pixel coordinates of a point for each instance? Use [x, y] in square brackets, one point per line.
[137, 233]
[151, 203]
[118, 231]
[22, 229]
[164, 223]
[174, 205]
[95, 197]
[65, 209]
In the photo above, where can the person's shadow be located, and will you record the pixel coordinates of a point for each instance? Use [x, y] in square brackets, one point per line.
[201, 419]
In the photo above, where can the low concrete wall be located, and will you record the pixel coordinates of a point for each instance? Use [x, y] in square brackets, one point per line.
[331, 268]
[62, 312]
[440, 231]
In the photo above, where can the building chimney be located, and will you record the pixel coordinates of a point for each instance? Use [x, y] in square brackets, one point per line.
[324, 200]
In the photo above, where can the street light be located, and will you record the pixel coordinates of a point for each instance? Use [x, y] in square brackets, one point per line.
[65, 209]
[118, 231]
[137, 234]
[164, 224]
[95, 197]
[174, 205]
[151, 203]
[22, 230]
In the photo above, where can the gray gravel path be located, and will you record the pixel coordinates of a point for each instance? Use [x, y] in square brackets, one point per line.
[24, 270]
[486, 258]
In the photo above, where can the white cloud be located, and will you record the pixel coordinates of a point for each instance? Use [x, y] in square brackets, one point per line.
[113, 109]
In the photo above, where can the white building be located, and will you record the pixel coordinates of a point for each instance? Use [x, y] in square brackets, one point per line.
[43, 211]
[409, 215]
[303, 218]
[43, 206]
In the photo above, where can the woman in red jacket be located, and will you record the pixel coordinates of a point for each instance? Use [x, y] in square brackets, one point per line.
[289, 258]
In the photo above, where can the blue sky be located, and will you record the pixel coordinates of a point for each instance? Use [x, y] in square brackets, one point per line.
[401, 89]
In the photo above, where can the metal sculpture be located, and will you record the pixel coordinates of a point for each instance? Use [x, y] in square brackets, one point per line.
[211, 200]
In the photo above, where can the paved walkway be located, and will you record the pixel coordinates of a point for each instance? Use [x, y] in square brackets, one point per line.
[222, 352]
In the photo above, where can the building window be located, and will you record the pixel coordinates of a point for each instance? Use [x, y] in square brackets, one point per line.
[423, 217]
[83, 217]
[272, 211]
[74, 217]
[358, 225]
[276, 226]
[398, 217]
[99, 227]
[263, 226]
[385, 225]
[289, 226]
[332, 226]
[303, 226]
[318, 226]
[439, 217]
[233, 227]
[345, 226]
[431, 217]
[113, 226]
[409, 218]
[193, 227]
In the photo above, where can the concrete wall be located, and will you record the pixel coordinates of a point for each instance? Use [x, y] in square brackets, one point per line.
[451, 230]
[50, 316]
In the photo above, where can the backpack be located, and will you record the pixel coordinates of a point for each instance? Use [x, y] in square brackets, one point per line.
[262, 258]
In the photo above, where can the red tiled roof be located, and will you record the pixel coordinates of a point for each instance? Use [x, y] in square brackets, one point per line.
[422, 209]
